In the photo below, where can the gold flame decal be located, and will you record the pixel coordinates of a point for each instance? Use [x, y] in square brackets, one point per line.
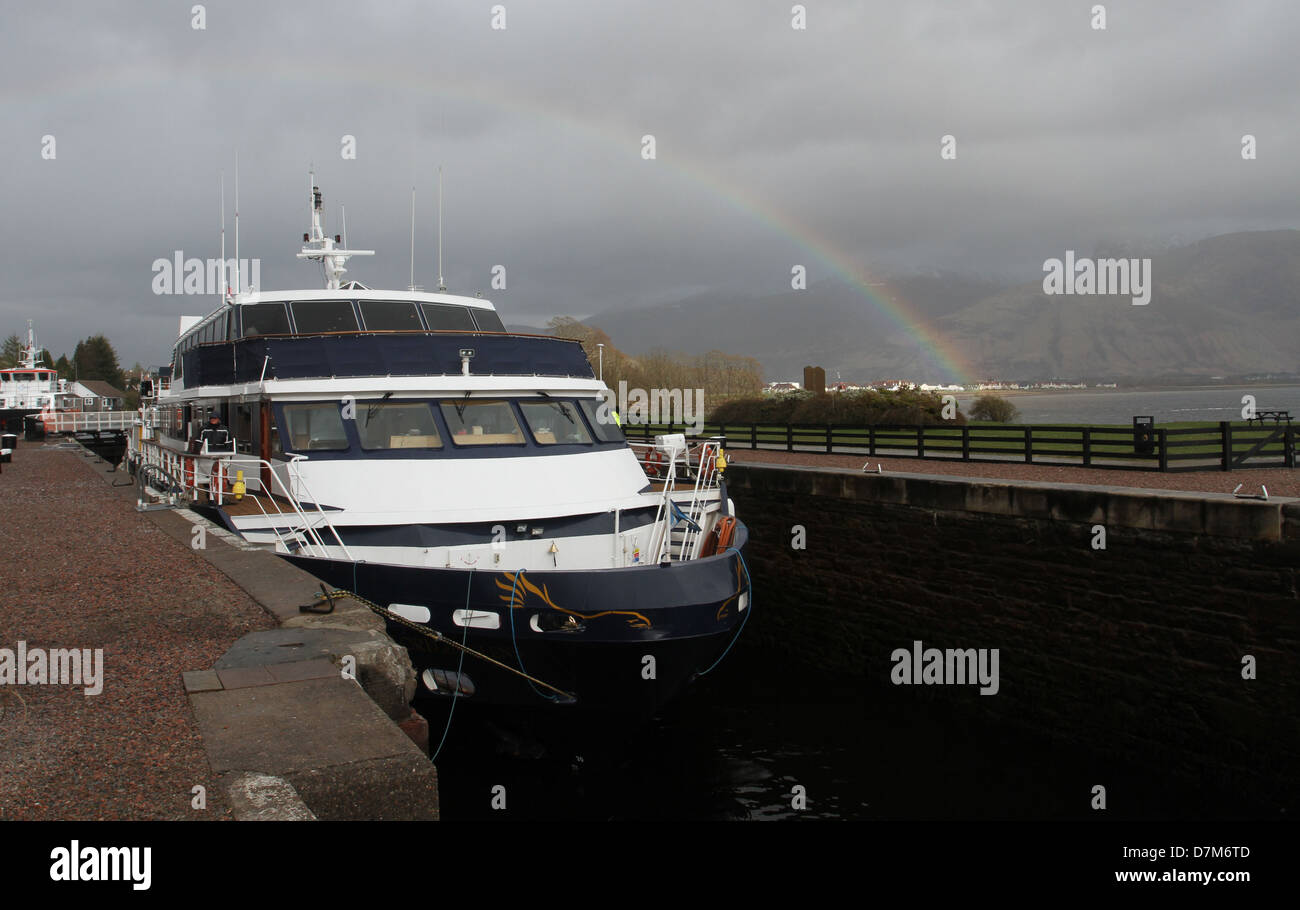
[517, 587]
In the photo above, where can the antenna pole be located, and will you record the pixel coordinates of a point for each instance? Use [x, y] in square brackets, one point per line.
[223, 237]
[237, 270]
[412, 285]
[442, 285]
[343, 220]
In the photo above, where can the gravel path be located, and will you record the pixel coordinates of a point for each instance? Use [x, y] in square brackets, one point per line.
[1279, 481]
[83, 569]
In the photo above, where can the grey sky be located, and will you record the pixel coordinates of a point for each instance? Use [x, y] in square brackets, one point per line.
[774, 146]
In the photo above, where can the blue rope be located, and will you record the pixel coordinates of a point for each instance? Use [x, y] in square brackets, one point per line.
[514, 641]
[460, 680]
[750, 587]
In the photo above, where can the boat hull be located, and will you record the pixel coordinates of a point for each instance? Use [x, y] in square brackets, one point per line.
[614, 641]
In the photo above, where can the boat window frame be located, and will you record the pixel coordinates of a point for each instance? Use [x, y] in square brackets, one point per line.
[444, 403]
[438, 430]
[428, 325]
[524, 403]
[284, 307]
[352, 308]
[282, 424]
[413, 304]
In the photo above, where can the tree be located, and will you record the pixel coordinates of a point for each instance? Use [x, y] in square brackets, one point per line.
[63, 367]
[991, 407]
[12, 351]
[95, 358]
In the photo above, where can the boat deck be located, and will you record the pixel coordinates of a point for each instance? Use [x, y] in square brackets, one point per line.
[256, 504]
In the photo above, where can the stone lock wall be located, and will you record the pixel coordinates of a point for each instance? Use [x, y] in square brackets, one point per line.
[1136, 649]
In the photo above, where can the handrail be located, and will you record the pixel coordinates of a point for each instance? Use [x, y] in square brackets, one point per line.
[173, 462]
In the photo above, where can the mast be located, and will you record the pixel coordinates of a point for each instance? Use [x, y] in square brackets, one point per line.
[322, 248]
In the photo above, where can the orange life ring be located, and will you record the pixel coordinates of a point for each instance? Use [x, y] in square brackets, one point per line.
[654, 463]
[189, 473]
[726, 529]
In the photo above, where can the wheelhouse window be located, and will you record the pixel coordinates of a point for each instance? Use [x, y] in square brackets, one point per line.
[488, 321]
[390, 316]
[482, 423]
[265, 319]
[313, 317]
[601, 418]
[555, 423]
[315, 427]
[443, 317]
[397, 426]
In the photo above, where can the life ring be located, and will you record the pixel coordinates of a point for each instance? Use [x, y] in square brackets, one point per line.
[726, 529]
[189, 473]
[654, 463]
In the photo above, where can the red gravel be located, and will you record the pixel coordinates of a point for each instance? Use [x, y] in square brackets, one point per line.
[1279, 481]
[83, 569]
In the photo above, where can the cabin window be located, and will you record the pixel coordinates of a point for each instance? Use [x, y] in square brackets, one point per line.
[555, 423]
[396, 426]
[314, 317]
[482, 423]
[601, 418]
[314, 427]
[443, 317]
[390, 316]
[265, 319]
[489, 321]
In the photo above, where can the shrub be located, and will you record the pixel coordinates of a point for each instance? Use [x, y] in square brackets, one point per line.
[993, 408]
[858, 408]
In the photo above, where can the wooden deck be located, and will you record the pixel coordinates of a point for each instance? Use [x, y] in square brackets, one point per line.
[249, 505]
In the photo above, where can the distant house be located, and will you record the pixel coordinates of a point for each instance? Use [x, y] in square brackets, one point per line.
[782, 387]
[93, 395]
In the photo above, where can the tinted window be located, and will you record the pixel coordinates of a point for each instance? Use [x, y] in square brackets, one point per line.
[481, 423]
[313, 316]
[390, 316]
[397, 426]
[443, 317]
[601, 418]
[489, 321]
[265, 319]
[314, 427]
[553, 422]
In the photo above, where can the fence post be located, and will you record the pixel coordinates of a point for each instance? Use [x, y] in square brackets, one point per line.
[871, 439]
[1225, 435]
[828, 439]
[1029, 445]
[789, 437]
[1161, 440]
[753, 436]
[965, 442]
[1087, 446]
[1288, 448]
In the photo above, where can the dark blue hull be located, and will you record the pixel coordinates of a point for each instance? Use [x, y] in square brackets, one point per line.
[619, 641]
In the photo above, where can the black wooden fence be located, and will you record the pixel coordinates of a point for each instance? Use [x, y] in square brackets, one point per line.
[1225, 447]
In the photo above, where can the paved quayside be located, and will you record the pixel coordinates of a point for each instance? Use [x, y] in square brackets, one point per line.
[211, 677]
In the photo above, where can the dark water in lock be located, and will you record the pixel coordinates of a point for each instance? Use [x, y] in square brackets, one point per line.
[741, 740]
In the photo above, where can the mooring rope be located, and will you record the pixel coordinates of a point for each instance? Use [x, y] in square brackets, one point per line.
[750, 589]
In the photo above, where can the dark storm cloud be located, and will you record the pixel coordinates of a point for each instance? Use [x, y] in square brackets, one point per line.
[1066, 136]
